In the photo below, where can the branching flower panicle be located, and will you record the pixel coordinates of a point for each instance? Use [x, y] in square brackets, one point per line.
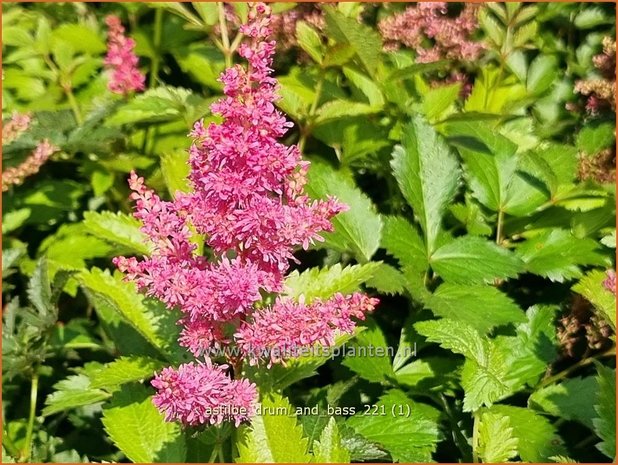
[249, 204]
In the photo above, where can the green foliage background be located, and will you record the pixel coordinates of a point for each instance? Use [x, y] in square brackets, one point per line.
[468, 217]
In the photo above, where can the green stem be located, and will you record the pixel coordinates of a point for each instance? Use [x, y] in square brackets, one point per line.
[34, 388]
[225, 40]
[156, 59]
[306, 131]
[155, 63]
[221, 457]
[582, 363]
[475, 438]
[215, 452]
[458, 436]
[73, 103]
[499, 227]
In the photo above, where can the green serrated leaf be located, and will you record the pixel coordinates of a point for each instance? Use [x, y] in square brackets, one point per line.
[155, 105]
[484, 372]
[309, 40]
[322, 283]
[366, 85]
[474, 260]
[438, 100]
[591, 287]
[150, 318]
[591, 17]
[537, 437]
[401, 240]
[529, 353]
[80, 37]
[387, 280]
[592, 139]
[496, 441]
[364, 41]
[357, 230]
[72, 392]
[371, 358]
[175, 168]
[406, 429]
[428, 174]
[541, 74]
[605, 406]
[40, 292]
[569, 400]
[274, 435]
[328, 449]
[125, 370]
[558, 255]
[118, 228]
[483, 307]
[139, 430]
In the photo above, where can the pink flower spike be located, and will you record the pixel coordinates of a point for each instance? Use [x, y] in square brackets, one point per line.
[203, 394]
[121, 60]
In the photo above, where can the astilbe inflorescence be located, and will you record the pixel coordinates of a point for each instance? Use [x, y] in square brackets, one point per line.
[432, 33]
[11, 131]
[600, 92]
[248, 202]
[121, 60]
[15, 127]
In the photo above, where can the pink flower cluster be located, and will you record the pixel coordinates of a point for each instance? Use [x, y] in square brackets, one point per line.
[15, 127]
[202, 393]
[121, 60]
[11, 131]
[287, 325]
[248, 202]
[434, 36]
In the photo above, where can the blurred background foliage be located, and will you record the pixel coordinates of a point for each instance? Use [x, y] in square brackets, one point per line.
[475, 145]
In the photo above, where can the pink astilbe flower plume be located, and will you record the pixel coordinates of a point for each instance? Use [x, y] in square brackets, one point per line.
[121, 60]
[434, 35]
[249, 204]
[201, 393]
[15, 127]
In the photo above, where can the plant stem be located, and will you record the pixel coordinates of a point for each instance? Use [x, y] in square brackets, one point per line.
[458, 436]
[34, 388]
[499, 227]
[73, 103]
[582, 363]
[475, 437]
[215, 452]
[221, 457]
[225, 40]
[156, 61]
[306, 131]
